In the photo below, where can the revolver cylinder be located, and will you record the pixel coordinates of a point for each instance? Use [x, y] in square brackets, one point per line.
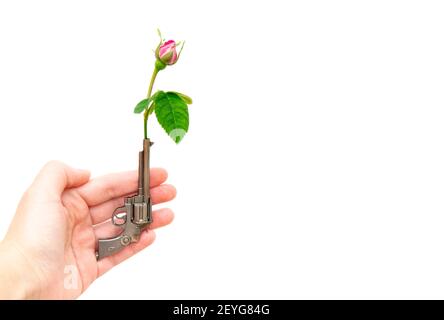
[141, 214]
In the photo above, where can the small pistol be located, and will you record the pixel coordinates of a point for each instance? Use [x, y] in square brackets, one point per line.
[135, 214]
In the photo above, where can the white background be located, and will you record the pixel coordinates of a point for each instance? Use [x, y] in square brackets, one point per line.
[313, 167]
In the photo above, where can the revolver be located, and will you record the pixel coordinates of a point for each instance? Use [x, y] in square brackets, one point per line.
[135, 214]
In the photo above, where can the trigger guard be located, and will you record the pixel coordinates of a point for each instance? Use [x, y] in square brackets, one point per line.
[115, 216]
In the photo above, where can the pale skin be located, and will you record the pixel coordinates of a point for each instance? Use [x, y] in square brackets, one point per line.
[57, 224]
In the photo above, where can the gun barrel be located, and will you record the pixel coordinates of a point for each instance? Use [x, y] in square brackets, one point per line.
[146, 168]
[140, 186]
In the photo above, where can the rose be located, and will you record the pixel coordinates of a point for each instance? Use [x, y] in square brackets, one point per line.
[168, 106]
[167, 52]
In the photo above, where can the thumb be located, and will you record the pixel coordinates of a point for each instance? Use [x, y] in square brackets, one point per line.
[55, 177]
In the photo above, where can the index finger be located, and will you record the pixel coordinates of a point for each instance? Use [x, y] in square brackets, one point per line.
[110, 186]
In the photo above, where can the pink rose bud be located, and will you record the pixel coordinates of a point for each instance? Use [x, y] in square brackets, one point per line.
[167, 52]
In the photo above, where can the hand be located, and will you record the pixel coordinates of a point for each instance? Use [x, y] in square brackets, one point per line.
[55, 230]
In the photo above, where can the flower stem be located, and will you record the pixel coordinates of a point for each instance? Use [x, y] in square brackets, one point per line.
[150, 90]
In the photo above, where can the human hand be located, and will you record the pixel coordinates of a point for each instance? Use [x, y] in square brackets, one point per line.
[56, 227]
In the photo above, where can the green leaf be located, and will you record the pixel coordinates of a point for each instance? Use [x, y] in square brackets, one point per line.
[141, 106]
[172, 114]
[184, 97]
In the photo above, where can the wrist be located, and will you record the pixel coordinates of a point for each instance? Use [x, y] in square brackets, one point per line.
[17, 278]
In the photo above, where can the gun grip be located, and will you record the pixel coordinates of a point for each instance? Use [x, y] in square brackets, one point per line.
[108, 247]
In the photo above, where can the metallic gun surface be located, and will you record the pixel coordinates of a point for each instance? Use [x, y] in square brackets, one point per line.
[135, 214]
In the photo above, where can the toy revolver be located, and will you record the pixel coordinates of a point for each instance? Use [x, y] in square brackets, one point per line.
[135, 214]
